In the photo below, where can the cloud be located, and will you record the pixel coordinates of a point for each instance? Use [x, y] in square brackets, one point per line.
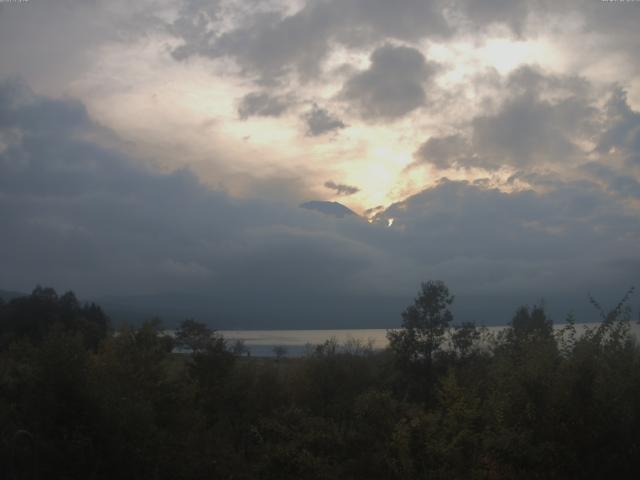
[484, 13]
[536, 124]
[341, 188]
[445, 152]
[539, 120]
[615, 182]
[392, 86]
[80, 215]
[372, 210]
[523, 132]
[194, 26]
[78, 211]
[262, 104]
[273, 42]
[87, 27]
[270, 44]
[622, 135]
[408, 20]
[549, 243]
[320, 121]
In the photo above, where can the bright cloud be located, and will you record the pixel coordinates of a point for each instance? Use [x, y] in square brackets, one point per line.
[153, 116]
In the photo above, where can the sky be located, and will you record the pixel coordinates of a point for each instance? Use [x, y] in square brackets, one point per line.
[159, 152]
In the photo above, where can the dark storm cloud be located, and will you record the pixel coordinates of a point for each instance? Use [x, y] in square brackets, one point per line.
[77, 215]
[262, 104]
[529, 80]
[268, 41]
[525, 131]
[19, 108]
[445, 152]
[529, 128]
[539, 120]
[320, 121]
[520, 238]
[615, 181]
[392, 86]
[272, 43]
[193, 24]
[80, 215]
[341, 188]
[557, 246]
[623, 129]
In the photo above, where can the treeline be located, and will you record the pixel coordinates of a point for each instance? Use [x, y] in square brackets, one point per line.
[81, 401]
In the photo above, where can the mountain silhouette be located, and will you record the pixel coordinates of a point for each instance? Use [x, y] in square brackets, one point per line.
[328, 208]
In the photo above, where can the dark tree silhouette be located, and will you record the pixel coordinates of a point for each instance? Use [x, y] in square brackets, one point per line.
[424, 325]
[464, 337]
[34, 316]
[531, 403]
[193, 336]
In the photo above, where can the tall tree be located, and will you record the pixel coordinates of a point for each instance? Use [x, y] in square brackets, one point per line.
[424, 326]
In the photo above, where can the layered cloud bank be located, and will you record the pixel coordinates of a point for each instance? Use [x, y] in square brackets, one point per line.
[165, 148]
[80, 215]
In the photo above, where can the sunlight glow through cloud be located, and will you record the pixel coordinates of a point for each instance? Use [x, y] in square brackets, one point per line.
[501, 137]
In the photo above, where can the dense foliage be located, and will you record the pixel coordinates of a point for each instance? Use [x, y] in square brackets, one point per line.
[78, 400]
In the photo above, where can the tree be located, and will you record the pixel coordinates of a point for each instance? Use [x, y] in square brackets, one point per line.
[279, 351]
[193, 336]
[240, 348]
[464, 338]
[530, 325]
[35, 316]
[424, 325]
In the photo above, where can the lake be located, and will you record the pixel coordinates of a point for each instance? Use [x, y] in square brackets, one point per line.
[261, 343]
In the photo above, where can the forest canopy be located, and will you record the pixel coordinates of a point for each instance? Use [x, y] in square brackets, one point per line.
[80, 399]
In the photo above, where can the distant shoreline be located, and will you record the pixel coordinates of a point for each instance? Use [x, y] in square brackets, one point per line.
[296, 341]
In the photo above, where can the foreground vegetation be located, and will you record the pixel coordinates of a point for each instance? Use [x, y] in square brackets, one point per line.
[77, 401]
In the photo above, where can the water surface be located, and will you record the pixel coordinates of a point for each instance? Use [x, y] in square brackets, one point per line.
[296, 342]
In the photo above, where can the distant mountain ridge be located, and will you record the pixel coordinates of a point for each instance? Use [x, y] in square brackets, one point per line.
[228, 310]
[7, 295]
[328, 208]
